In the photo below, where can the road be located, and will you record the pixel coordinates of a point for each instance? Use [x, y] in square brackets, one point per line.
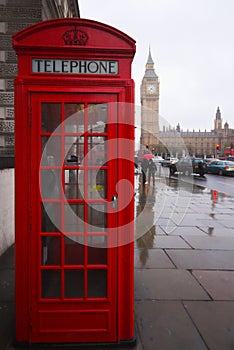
[224, 184]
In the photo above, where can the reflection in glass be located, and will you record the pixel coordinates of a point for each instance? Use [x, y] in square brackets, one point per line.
[97, 283]
[50, 217]
[50, 183]
[74, 184]
[97, 150]
[74, 150]
[50, 284]
[74, 284]
[97, 118]
[97, 183]
[74, 117]
[97, 254]
[97, 217]
[50, 117]
[74, 217]
[74, 250]
[51, 151]
[51, 250]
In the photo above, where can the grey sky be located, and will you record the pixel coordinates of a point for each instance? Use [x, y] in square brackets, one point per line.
[192, 45]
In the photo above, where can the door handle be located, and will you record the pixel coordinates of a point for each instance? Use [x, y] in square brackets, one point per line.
[114, 202]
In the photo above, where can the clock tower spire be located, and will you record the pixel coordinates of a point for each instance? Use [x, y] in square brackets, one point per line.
[150, 105]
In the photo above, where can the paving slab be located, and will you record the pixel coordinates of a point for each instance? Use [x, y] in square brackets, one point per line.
[165, 222]
[218, 231]
[202, 259]
[183, 231]
[7, 278]
[152, 259]
[170, 241]
[210, 242]
[167, 284]
[7, 329]
[215, 322]
[209, 222]
[166, 325]
[219, 284]
[156, 241]
[189, 219]
[227, 223]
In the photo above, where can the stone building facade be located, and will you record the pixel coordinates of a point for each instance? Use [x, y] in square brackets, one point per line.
[166, 140]
[197, 143]
[14, 16]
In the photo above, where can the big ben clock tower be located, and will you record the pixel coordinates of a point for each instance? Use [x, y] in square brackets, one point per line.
[149, 105]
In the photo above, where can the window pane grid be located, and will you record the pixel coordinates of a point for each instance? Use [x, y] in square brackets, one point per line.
[80, 275]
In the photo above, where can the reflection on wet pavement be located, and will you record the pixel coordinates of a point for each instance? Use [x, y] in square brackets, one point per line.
[176, 208]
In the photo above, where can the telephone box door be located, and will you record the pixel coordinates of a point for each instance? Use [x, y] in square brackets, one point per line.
[73, 261]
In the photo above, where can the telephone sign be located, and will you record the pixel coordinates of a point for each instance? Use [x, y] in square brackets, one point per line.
[45, 65]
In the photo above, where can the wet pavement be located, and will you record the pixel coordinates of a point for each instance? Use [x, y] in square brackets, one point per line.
[184, 270]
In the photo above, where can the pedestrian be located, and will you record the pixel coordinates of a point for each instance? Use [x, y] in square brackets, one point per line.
[144, 167]
[152, 168]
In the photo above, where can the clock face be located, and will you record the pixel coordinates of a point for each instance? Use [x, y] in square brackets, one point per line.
[151, 89]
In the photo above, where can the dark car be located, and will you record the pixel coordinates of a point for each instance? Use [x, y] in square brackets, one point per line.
[188, 166]
[209, 160]
[221, 167]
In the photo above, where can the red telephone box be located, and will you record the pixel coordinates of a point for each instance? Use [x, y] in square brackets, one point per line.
[74, 129]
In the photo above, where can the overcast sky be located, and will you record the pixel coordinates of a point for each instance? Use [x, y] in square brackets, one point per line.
[192, 45]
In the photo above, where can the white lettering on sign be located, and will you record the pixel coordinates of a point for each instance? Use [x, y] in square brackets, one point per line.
[46, 65]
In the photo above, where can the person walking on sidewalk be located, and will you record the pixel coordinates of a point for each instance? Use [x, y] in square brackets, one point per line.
[144, 167]
[152, 168]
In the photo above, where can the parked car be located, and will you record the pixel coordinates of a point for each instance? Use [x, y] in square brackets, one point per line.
[221, 167]
[188, 166]
[158, 159]
[169, 160]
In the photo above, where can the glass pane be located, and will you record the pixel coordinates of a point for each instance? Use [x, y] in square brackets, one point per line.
[51, 151]
[74, 217]
[97, 117]
[74, 250]
[74, 284]
[50, 217]
[97, 283]
[74, 184]
[97, 148]
[97, 183]
[97, 217]
[50, 117]
[50, 183]
[74, 117]
[50, 284]
[74, 150]
[97, 254]
[51, 250]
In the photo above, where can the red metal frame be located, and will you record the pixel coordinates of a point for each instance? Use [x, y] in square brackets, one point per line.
[39, 321]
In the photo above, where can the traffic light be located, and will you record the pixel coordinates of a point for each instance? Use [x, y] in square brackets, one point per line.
[217, 147]
[147, 145]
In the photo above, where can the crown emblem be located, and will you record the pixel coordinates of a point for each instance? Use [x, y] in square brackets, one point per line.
[75, 37]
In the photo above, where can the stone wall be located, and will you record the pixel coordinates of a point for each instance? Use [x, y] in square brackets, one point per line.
[7, 217]
[14, 16]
